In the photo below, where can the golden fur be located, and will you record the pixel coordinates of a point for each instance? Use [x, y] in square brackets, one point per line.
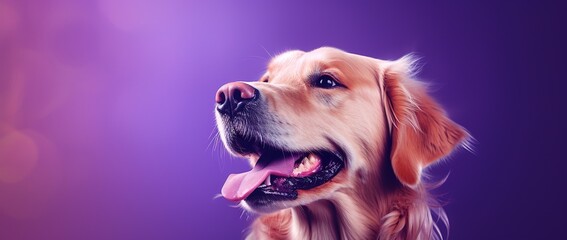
[390, 130]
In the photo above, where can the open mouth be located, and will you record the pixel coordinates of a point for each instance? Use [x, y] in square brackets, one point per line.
[279, 174]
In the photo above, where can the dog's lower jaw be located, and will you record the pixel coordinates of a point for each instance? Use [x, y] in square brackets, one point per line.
[323, 219]
[350, 216]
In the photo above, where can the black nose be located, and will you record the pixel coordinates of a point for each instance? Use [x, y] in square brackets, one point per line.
[232, 97]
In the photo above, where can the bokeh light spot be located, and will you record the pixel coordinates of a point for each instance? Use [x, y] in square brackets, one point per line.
[39, 182]
[18, 156]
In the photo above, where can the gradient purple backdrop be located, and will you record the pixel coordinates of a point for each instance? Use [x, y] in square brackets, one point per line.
[106, 108]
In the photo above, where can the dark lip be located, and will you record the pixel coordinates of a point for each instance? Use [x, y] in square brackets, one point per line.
[286, 188]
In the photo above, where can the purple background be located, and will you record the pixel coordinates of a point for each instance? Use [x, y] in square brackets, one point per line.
[106, 108]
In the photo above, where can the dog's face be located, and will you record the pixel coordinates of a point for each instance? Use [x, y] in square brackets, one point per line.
[318, 120]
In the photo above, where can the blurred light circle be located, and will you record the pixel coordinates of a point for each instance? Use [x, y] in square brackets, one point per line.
[31, 196]
[18, 156]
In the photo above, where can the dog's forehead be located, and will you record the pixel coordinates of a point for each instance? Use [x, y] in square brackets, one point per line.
[284, 59]
[300, 63]
[294, 57]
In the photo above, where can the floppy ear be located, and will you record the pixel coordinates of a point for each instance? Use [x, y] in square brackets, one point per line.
[421, 132]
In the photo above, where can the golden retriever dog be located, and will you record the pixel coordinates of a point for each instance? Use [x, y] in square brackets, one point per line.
[338, 145]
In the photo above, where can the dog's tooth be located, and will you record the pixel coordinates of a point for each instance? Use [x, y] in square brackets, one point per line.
[314, 159]
[306, 165]
[311, 160]
[268, 182]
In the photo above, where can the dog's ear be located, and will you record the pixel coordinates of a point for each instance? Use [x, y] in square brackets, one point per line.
[421, 132]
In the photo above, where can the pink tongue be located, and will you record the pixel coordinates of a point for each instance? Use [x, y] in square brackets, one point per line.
[239, 186]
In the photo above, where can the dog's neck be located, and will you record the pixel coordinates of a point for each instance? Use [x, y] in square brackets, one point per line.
[335, 219]
[316, 221]
[348, 215]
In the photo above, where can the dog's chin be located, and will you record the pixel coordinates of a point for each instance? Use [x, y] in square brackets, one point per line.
[312, 172]
[270, 208]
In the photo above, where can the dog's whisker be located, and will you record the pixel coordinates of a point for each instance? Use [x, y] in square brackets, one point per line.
[266, 50]
[211, 141]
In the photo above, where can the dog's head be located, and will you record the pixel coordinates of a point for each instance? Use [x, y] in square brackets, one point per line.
[318, 120]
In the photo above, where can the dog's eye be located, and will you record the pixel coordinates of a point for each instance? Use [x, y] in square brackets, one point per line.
[326, 81]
